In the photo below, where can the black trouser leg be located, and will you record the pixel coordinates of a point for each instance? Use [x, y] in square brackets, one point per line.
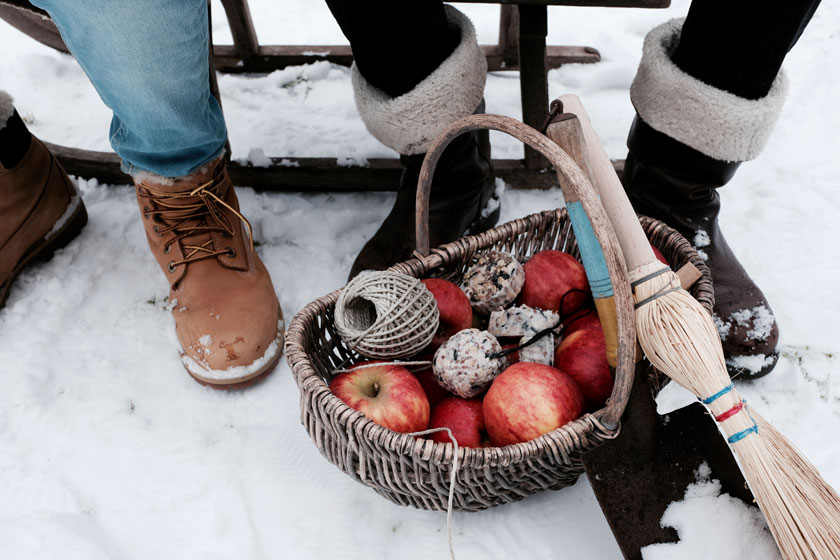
[14, 141]
[739, 45]
[396, 43]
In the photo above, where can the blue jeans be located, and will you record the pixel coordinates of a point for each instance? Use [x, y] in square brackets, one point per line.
[148, 60]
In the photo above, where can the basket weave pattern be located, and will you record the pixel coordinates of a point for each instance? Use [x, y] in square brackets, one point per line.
[415, 472]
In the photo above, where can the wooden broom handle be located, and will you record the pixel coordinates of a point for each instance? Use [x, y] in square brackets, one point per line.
[631, 237]
[597, 241]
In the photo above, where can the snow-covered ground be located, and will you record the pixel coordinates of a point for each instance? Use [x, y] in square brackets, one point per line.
[109, 450]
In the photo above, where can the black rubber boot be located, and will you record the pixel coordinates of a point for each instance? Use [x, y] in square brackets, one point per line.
[677, 184]
[406, 102]
[462, 200]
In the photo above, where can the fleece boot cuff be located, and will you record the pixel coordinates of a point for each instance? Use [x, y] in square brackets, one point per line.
[714, 122]
[410, 122]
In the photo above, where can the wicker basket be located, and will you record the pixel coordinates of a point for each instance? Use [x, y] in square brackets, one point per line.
[416, 472]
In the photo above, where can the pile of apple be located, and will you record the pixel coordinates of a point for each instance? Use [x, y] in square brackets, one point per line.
[525, 400]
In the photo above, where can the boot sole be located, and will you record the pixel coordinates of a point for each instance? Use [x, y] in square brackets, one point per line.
[246, 380]
[44, 249]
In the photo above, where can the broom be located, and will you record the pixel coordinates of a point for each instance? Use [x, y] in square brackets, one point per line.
[681, 340]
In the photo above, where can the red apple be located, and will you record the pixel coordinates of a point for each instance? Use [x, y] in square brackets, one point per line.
[463, 416]
[549, 275]
[528, 400]
[586, 318]
[583, 356]
[434, 392]
[454, 306]
[513, 357]
[388, 394]
[659, 256]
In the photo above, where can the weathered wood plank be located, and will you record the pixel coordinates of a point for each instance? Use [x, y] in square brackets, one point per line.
[303, 174]
[275, 57]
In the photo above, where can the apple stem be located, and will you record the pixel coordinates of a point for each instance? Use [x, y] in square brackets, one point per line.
[375, 388]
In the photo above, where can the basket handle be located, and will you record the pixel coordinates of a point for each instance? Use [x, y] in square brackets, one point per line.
[599, 248]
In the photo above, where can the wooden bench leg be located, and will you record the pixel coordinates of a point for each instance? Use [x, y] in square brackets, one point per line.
[535, 59]
[241, 28]
[533, 83]
[508, 37]
[506, 56]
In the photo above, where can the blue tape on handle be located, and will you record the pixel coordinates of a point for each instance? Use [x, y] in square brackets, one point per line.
[590, 252]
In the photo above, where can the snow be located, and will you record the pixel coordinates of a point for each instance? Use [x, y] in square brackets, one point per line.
[738, 531]
[69, 212]
[751, 363]
[701, 239]
[257, 158]
[723, 327]
[111, 450]
[496, 200]
[762, 323]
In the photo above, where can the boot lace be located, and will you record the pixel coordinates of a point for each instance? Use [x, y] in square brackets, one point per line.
[188, 213]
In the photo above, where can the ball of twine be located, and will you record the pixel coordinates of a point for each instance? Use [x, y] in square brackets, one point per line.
[383, 314]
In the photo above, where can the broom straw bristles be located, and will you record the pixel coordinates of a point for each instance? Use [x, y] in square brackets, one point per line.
[681, 340]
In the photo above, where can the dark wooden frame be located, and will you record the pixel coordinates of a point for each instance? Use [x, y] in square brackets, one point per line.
[522, 46]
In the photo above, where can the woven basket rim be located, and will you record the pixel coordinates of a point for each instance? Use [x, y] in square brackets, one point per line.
[308, 379]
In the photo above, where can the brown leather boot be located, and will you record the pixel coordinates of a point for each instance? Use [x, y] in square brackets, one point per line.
[40, 212]
[687, 141]
[227, 316]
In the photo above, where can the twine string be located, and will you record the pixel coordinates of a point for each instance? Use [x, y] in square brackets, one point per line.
[406, 316]
[665, 289]
[650, 276]
[450, 501]
[719, 394]
[741, 406]
[657, 295]
[731, 412]
[382, 318]
[342, 369]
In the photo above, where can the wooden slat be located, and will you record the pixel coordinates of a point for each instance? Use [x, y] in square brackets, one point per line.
[302, 174]
[275, 57]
